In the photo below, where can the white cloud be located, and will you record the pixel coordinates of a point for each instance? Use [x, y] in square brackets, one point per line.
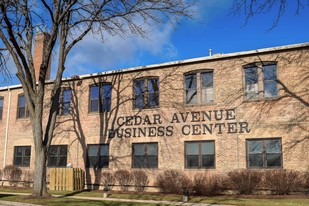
[91, 55]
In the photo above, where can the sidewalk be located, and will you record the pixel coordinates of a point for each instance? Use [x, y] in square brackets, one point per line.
[4, 203]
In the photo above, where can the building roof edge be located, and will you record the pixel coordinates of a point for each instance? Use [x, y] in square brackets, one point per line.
[186, 61]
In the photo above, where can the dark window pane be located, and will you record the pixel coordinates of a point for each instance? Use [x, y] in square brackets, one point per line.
[106, 105]
[21, 112]
[1, 107]
[104, 161]
[94, 105]
[207, 148]
[18, 161]
[153, 99]
[192, 148]
[63, 150]
[256, 160]
[26, 162]
[139, 87]
[273, 146]
[191, 81]
[152, 149]
[153, 85]
[208, 160]
[94, 92]
[106, 97]
[251, 75]
[207, 79]
[192, 161]
[21, 101]
[255, 147]
[67, 94]
[191, 86]
[270, 72]
[152, 161]
[52, 161]
[273, 160]
[139, 101]
[139, 149]
[62, 161]
[270, 89]
[139, 161]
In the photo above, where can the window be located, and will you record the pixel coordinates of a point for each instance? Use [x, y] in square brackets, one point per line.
[98, 155]
[258, 72]
[1, 107]
[146, 93]
[22, 111]
[200, 154]
[100, 97]
[57, 156]
[264, 153]
[22, 156]
[65, 102]
[145, 155]
[194, 95]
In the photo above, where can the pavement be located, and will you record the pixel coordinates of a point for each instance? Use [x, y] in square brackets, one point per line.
[8, 203]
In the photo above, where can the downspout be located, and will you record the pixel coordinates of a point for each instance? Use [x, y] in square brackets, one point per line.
[7, 128]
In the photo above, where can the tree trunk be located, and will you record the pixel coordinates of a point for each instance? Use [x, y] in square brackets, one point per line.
[40, 188]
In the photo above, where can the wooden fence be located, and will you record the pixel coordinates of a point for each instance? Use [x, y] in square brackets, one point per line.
[66, 179]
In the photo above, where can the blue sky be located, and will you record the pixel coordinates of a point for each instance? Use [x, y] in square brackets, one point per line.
[214, 26]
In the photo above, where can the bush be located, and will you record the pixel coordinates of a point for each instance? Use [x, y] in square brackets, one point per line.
[124, 179]
[206, 184]
[244, 181]
[27, 177]
[140, 180]
[12, 174]
[107, 180]
[306, 180]
[173, 181]
[282, 182]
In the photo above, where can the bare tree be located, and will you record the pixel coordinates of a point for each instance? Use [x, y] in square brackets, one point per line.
[252, 8]
[66, 22]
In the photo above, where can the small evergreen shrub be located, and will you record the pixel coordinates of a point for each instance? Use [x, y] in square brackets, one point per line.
[244, 181]
[124, 179]
[107, 180]
[12, 174]
[173, 181]
[282, 181]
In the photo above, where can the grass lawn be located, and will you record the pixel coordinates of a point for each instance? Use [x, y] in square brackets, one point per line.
[241, 200]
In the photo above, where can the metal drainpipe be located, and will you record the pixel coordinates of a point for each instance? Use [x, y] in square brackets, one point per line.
[7, 128]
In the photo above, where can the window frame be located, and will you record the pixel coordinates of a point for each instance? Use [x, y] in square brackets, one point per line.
[145, 156]
[23, 156]
[58, 156]
[62, 102]
[264, 153]
[101, 101]
[1, 107]
[200, 155]
[199, 87]
[99, 156]
[26, 113]
[146, 93]
[261, 81]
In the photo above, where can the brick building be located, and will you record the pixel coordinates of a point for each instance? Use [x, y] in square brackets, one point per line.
[244, 110]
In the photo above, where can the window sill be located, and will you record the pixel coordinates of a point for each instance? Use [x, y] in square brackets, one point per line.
[262, 99]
